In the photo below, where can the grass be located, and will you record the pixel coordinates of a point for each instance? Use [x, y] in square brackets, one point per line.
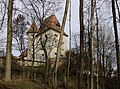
[22, 84]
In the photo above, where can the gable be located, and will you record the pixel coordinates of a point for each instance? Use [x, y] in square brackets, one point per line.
[51, 23]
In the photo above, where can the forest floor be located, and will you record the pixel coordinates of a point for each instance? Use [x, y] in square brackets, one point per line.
[26, 84]
[22, 84]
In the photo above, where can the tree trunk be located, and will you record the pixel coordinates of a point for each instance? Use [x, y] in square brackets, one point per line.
[103, 61]
[92, 46]
[9, 43]
[88, 68]
[59, 46]
[116, 41]
[97, 29]
[68, 62]
[80, 77]
[118, 10]
[33, 53]
[47, 65]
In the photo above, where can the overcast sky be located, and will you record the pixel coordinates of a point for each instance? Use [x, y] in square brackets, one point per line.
[74, 19]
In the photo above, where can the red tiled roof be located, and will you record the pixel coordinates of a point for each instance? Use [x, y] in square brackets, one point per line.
[51, 22]
[33, 28]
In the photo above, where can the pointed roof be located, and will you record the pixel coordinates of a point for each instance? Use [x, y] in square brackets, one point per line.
[33, 28]
[52, 23]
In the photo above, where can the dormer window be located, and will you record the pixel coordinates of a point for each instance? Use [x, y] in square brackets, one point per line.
[44, 27]
[58, 26]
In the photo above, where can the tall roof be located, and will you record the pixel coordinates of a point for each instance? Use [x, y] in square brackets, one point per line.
[33, 28]
[50, 22]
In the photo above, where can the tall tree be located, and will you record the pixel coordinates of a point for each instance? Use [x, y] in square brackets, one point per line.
[59, 45]
[9, 42]
[116, 41]
[68, 62]
[97, 34]
[19, 30]
[40, 9]
[81, 62]
[92, 46]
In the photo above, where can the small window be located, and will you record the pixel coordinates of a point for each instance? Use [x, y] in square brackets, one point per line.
[40, 47]
[43, 56]
[62, 43]
[62, 46]
[58, 26]
[44, 27]
[61, 56]
[55, 53]
[55, 35]
[55, 41]
[37, 56]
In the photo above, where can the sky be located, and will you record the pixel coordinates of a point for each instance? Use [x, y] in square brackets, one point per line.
[74, 19]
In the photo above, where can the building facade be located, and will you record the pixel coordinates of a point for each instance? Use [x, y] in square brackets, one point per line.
[43, 41]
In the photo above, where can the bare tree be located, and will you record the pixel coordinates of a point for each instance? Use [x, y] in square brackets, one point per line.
[97, 34]
[40, 9]
[59, 45]
[81, 62]
[92, 46]
[19, 30]
[118, 10]
[116, 41]
[9, 43]
[70, 32]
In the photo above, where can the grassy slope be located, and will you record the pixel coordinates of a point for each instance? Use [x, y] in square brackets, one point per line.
[22, 84]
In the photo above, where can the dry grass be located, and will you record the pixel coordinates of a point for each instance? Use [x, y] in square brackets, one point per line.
[21, 84]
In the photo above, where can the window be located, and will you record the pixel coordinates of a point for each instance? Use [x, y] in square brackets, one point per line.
[54, 42]
[37, 57]
[62, 46]
[55, 53]
[58, 26]
[42, 57]
[44, 27]
[55, 35]
[41, 47]
[61, 56]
